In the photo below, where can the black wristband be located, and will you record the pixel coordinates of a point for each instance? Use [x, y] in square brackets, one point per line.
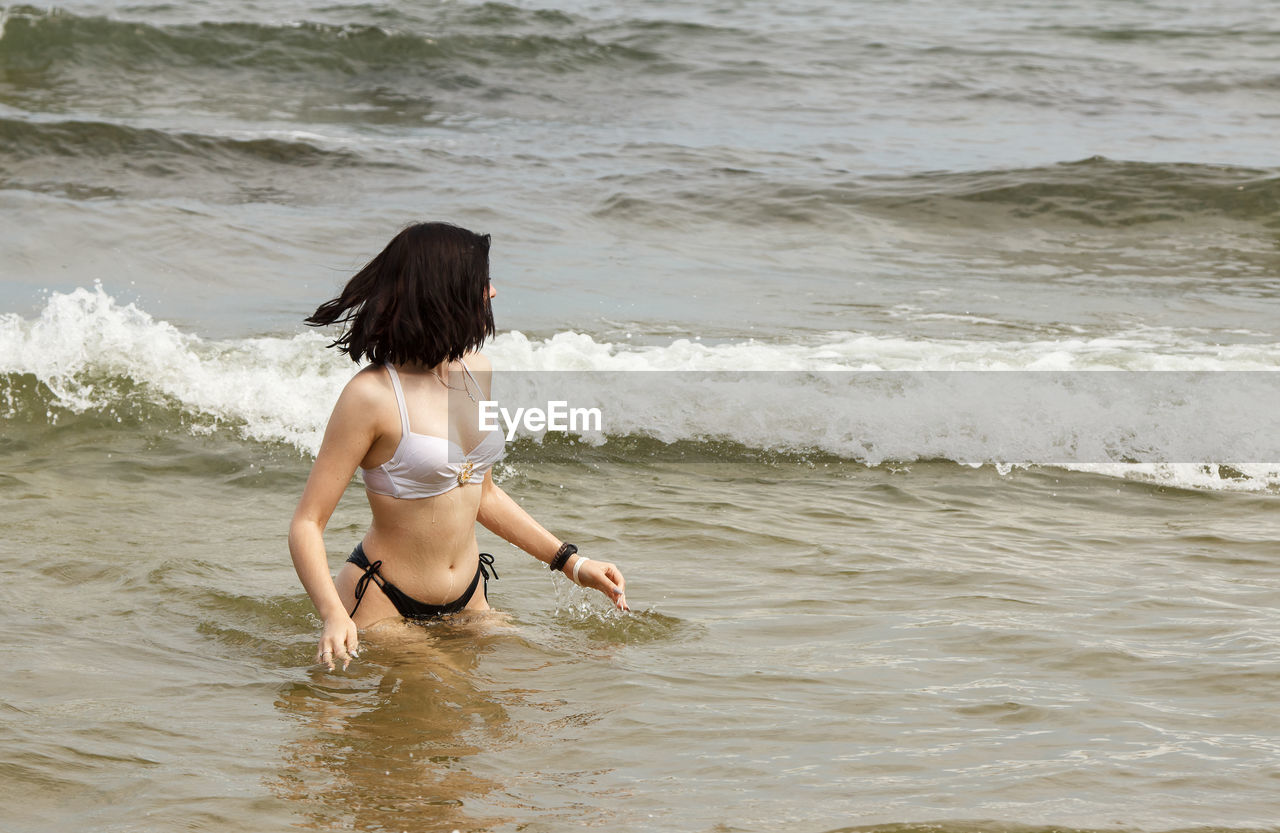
[562, 556]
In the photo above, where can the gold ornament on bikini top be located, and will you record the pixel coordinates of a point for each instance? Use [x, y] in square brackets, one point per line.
[464, 473]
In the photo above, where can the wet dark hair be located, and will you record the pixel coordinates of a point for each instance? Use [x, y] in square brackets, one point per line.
[424, 298]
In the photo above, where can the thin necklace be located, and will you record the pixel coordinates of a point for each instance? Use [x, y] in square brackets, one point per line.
[464, 387]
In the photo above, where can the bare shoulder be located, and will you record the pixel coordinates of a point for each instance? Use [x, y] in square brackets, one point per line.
[363, 413]
[368, 399]
[368, 387]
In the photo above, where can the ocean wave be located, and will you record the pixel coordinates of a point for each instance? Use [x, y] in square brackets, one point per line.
[34, 40]
[1095, 192]
[20, 139]
[95, 160]
[87, 353]
[1127, 34]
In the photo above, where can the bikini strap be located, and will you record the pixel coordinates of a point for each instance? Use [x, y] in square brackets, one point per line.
[486, 560]
[404, 411]
[473, 379]
[370, 574]
[361, 560]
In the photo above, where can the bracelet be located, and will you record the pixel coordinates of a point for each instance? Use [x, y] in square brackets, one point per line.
[562, 556]
[577, 565]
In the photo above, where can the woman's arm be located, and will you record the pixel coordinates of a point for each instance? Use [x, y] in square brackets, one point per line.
[347, 439]
[504, 517]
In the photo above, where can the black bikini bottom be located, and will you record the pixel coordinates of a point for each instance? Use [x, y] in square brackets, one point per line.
[409, 607]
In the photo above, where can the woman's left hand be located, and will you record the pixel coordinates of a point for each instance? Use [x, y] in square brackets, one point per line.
[603, 576]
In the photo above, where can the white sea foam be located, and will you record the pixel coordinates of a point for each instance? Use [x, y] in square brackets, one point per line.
[275, 389]
[282, 389]
[1140, 349]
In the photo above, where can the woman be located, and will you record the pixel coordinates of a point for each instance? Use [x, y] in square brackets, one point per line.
[418, 312]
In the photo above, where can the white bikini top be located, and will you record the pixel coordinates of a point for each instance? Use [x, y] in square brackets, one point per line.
[426, 466]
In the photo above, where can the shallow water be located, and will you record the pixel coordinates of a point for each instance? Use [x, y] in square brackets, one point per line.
[813, 645]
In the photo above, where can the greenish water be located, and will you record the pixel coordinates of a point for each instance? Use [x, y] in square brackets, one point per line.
[889, 646]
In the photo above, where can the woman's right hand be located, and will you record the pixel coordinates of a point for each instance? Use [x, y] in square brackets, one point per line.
[603, 576]
[339, 641]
